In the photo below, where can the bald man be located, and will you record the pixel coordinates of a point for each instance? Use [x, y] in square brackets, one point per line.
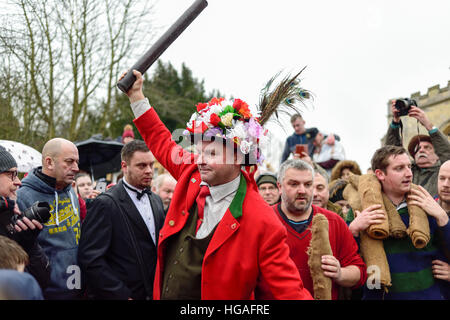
[441, 269]
[163, 186]
[444, 186]
[52, 183]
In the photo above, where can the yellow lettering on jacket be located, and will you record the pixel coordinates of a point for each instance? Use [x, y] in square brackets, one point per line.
[67, 217]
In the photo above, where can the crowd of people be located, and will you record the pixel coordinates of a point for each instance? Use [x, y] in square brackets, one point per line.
[214, 227]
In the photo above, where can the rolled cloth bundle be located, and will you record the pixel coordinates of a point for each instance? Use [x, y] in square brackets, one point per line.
[318, 247]
[419, 228]
[397, 228]
[372, 251]
[351, 194]
[354, 180]
[369, 189]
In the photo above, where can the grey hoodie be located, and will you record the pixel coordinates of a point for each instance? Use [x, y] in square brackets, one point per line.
[60, 236]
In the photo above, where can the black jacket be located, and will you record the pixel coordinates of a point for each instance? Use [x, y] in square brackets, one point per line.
[108, 260]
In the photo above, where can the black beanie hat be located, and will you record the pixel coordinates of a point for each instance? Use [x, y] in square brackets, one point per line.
[7, 161]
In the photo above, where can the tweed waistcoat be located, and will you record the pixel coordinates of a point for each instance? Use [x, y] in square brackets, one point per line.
[183, 265]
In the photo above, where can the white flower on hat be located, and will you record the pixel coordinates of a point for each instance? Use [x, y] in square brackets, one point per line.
[245, 146]
[227, 119]
[237, 132]
[217, 108]
[230, 120]
[191, 120]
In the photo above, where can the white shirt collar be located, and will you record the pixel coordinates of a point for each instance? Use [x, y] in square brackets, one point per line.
[402, 205]
[219, 192]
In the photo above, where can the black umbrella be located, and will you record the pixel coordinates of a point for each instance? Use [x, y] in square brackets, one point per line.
[99, 157]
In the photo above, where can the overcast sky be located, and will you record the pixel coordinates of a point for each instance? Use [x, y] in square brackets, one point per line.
[358, 54]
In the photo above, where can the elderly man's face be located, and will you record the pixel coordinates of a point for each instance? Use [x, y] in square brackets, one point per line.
[269, 192]
[426, 156]
[166, 191]
[321, 192]
[9, 183]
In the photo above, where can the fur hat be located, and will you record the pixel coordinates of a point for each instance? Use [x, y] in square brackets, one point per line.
[7, 161]
[415, 141]
[341, 165]
[336, 188]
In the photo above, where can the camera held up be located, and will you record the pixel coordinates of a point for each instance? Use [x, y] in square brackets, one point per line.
[403, 105]
[39, 211]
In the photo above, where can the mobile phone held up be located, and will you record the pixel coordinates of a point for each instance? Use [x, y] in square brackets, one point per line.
[301, 148]
[101, 186]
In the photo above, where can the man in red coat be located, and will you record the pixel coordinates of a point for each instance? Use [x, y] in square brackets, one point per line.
[221, 242]
[345, 267]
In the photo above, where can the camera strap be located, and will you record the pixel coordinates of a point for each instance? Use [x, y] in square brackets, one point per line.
[417, 147]
[401, 130]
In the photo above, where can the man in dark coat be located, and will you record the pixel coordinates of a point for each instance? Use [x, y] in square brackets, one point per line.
[117, 252]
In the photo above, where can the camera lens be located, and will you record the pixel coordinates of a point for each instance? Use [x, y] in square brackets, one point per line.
[403, 106]
[400, 104]
[39, 211]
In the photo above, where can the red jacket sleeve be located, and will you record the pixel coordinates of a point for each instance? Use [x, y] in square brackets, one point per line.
[159, 140]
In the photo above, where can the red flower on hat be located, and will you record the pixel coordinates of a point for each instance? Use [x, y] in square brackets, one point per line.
[215, 100]
[201, 106]
[214, 119]
[242, 108]
[198, 129]
[245, 112]
[238, 104]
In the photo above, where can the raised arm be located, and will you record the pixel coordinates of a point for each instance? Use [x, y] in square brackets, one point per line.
[393, 133]
[155, 134]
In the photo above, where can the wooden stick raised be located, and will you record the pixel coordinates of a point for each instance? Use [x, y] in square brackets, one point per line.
[162, 44]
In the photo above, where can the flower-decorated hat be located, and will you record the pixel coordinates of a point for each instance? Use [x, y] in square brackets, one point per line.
[242, 124]
[230, 120]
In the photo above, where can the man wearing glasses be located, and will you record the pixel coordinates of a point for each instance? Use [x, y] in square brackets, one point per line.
[26, 231]
[267, 187]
